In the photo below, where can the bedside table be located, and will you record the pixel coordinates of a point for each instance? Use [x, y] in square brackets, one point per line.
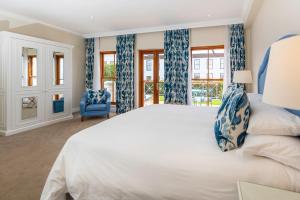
[250, 191]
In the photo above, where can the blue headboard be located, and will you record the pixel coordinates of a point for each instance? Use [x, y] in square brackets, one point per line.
[263, 72]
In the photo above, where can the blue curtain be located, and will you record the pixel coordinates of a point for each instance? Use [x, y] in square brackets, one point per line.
[237, 48]
[89, 62]
[176, 56]
[125, 73]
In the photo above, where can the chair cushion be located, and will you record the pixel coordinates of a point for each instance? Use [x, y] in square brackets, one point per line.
[96, 107]
[232, 121]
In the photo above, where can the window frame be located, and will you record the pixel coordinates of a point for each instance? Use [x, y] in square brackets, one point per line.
[102, 78]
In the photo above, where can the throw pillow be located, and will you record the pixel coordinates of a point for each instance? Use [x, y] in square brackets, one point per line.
[232, 120]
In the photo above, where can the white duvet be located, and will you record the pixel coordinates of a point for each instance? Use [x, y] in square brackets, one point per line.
[161, 152]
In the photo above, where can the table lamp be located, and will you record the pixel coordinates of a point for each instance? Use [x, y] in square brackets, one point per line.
[282, 85]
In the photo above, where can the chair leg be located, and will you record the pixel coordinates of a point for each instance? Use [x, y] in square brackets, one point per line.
[108, 116]
[82, 118]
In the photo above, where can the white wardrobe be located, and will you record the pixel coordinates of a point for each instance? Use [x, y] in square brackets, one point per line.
[35, 84]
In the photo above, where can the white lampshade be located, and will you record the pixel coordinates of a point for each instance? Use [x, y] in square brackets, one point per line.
[242, 76]
[282, 86]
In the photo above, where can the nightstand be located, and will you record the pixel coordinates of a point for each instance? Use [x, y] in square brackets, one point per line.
[250, 191]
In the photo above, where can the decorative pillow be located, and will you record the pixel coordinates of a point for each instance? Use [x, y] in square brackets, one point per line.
[229, 91]
[270, 120]
[92, 97]
[232, 121]
[102, 96]
[283, 149]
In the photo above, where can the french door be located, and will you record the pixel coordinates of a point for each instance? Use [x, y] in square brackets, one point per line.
[151, 77]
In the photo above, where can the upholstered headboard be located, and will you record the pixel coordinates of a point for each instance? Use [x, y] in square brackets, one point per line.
[263, 72]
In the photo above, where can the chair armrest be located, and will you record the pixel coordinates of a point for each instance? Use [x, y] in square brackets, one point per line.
[82, 105]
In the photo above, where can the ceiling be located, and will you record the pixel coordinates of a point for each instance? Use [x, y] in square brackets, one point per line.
[110, 17]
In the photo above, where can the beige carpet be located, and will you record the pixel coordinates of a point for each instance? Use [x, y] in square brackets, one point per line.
[26, 158]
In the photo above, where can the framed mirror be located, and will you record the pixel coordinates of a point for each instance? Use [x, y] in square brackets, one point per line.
[58, 68]
[58, 102]
[29, 67]
[29, 108]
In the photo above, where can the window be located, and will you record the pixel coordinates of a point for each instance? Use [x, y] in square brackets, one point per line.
[207, 82]
[108, 73]
[196, 64]
[151, 77]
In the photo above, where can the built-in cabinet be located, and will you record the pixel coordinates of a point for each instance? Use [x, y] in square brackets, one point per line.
[36, 82]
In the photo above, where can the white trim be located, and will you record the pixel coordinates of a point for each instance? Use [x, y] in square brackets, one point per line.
[76, 109]
[27, 128]
[170, 27]
[35, 39]
[30, 20]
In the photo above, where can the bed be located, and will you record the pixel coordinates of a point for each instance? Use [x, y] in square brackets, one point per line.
[160, 152]
[154, 153]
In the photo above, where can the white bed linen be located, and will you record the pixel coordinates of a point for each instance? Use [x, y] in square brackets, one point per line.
[161, 152]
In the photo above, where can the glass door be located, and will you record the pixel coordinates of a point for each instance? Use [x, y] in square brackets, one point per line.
[151, 75]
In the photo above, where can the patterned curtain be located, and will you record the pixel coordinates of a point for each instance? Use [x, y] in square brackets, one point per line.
[89, 62]
[176, 49]
[125, 73]
[237, 48]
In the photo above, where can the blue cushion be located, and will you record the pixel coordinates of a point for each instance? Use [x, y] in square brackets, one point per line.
[229, 91]
[92, 97]
[96, 107]
[102, 98]
[96, 97]
[232, 120]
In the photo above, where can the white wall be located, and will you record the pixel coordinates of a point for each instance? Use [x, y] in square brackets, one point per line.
[274, 19]
[199, 37]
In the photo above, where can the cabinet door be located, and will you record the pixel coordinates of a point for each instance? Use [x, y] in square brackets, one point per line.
[28, 70]
[58, 104]
[58, 82]
[29, 109]
[58, 70]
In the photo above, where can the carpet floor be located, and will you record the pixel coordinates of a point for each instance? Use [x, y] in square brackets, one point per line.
[26, 158]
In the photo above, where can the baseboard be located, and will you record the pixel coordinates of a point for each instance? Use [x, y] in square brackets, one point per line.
[76, 109]
[27, 128]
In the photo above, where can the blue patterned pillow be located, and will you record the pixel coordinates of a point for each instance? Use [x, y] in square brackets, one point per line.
[102, 96]
[232, 120]
[229, 91]
[92, 97]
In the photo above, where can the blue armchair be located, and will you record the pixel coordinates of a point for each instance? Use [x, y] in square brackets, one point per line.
[94, 109]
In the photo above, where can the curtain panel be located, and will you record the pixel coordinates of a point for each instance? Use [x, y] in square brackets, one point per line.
[176, 56]
[237, 48]
[125, 73]
[89, 62]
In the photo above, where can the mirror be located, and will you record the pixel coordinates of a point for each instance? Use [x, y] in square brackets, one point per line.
[58, 68]
[29, 108]
[29, 67]
[58, 103]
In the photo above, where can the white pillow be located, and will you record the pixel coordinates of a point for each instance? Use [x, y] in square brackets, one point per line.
[270, 120]
[283, 149]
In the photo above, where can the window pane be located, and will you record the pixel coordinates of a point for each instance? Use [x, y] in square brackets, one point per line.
[199, 62]
[109, 65]
[110, 85]
[109, 74]
[148, 79]
[207, 74]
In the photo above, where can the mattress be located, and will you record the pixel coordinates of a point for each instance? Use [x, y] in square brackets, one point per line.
[159, 152]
